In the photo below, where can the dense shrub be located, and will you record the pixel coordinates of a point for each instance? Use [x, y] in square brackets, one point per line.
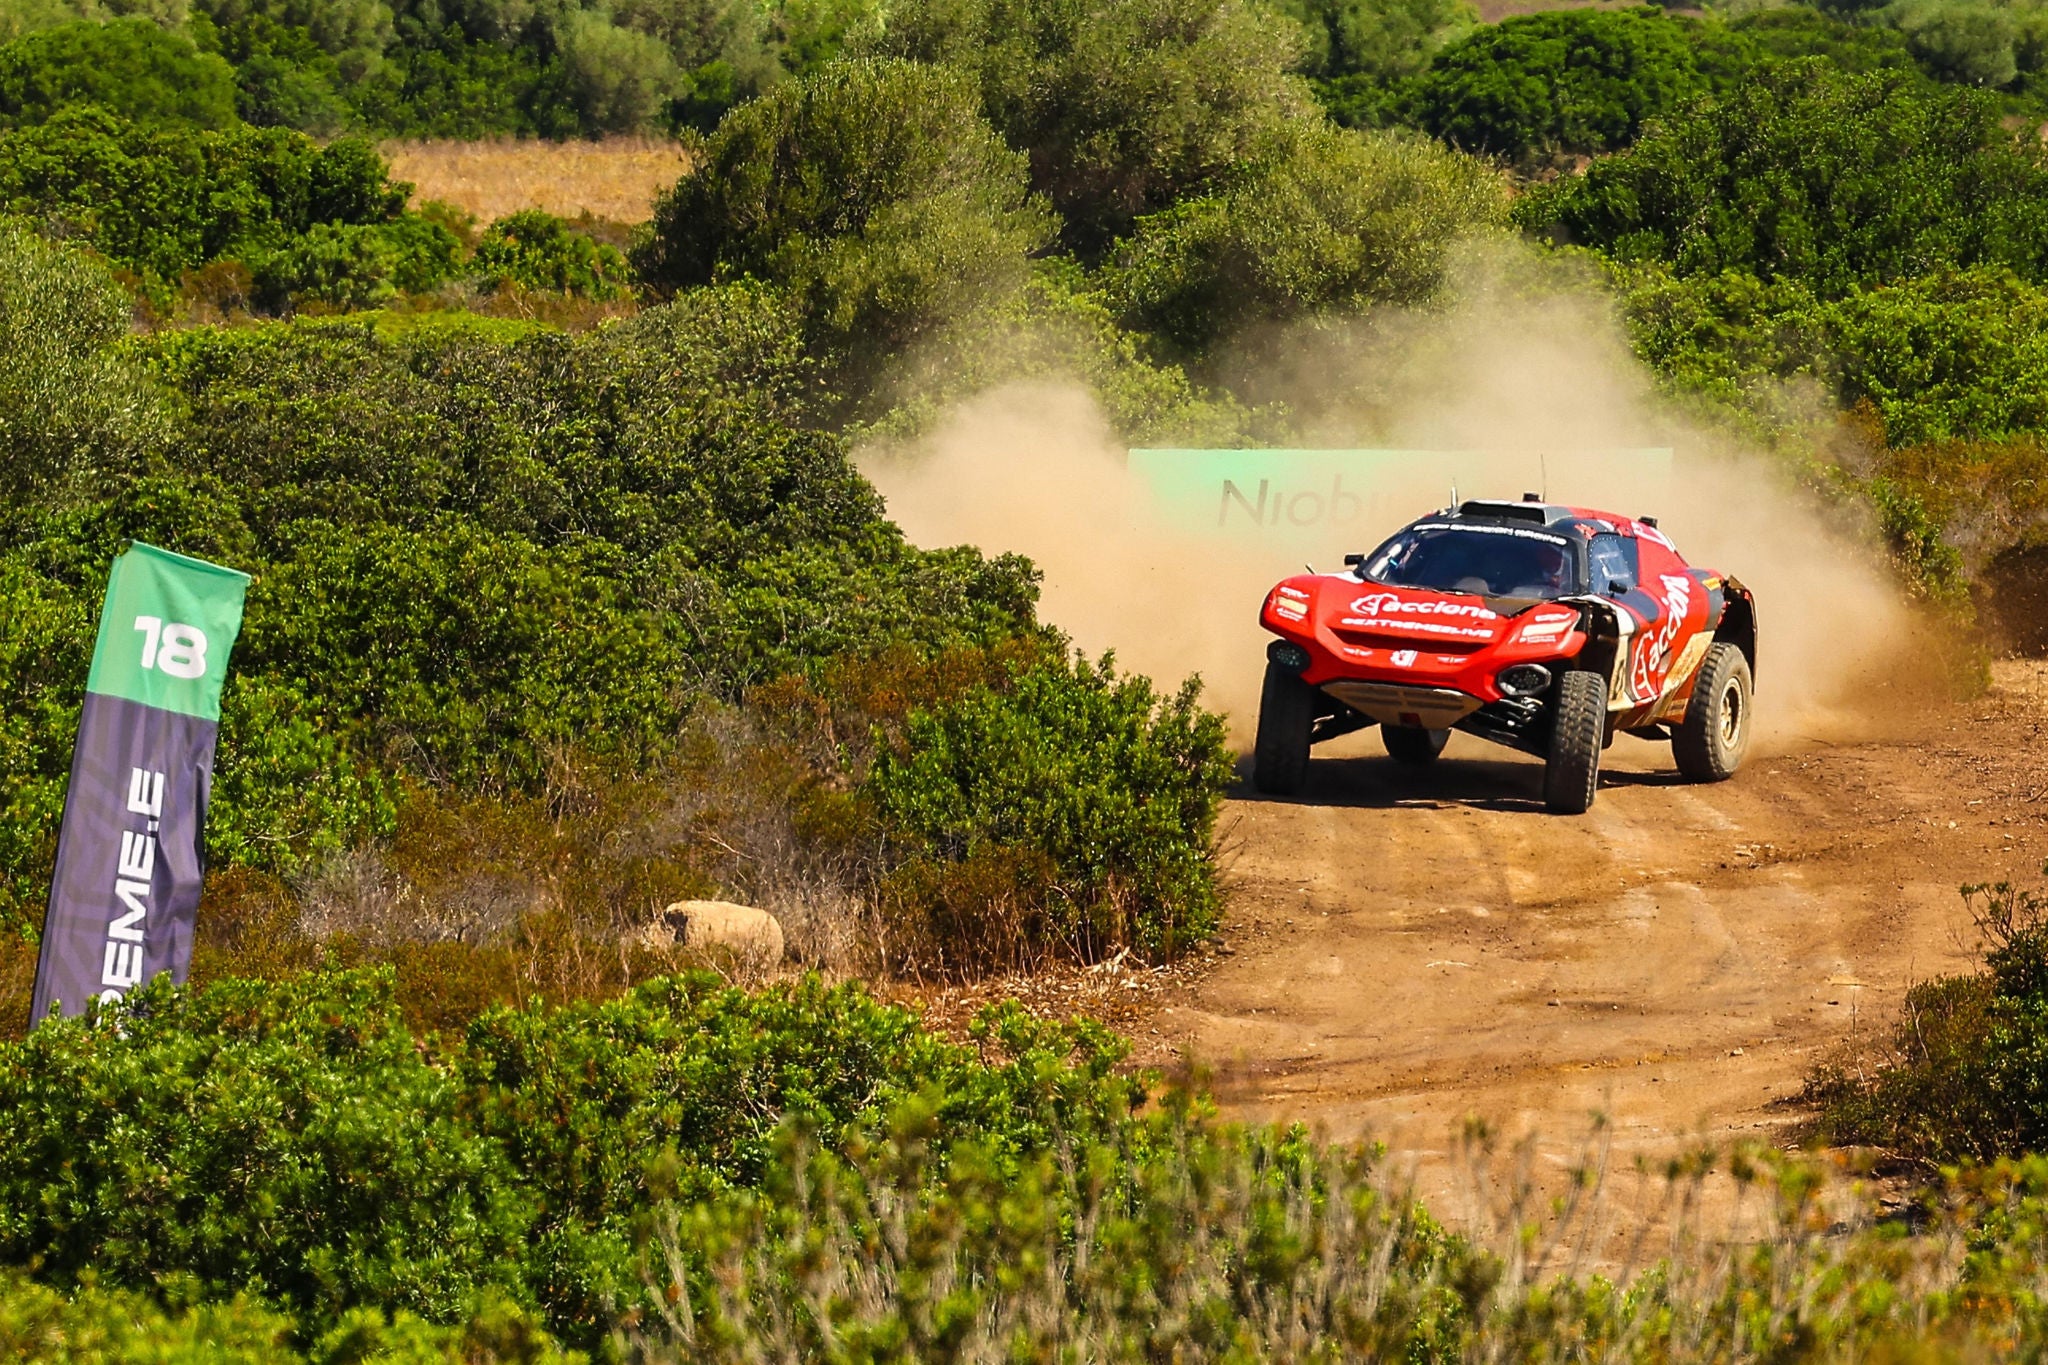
[68, 403]
[483, 550]
[44, 653]
[872, 191]
[1831, 179]
[1952, 354]
[162, 201]
[293, 1140]
[287, 1143]
[1372, 41]
[114, 1326]
[1574, 81]
[1964, 1073]
[1342, 221]
[536, 250]
[1064, 808]
[1121, 106]
[132, 67]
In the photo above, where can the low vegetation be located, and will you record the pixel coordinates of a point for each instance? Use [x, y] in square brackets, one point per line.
[1958, 1077]
[295, 1143]
[570, 602]
[696, 1172]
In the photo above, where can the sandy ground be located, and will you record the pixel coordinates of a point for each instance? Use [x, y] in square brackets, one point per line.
[615, 180]
[1408, 948]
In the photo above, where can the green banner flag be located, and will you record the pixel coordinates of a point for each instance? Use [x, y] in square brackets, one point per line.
[130, 852]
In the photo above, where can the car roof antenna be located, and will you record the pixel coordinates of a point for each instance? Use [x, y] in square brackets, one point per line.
[1543, 466]
[1454, 495]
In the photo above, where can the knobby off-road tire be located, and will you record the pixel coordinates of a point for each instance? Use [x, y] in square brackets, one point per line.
[1710, 742]
[1408, 745]
[1287, 712]
[1571, 771]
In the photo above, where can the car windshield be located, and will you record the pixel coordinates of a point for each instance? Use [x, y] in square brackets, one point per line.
[1489, 561]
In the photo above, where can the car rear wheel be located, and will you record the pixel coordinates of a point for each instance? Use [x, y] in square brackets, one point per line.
[1406, 744]
[1710, 742]
[1571, 770]
[1287, 712]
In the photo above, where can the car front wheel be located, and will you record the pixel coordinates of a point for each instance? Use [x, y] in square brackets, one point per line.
[1287, 712]
[1571, 770]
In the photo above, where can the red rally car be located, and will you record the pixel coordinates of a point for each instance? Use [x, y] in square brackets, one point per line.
[1544, 628]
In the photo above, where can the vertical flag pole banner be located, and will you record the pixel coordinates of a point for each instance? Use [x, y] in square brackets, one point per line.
[131, 849]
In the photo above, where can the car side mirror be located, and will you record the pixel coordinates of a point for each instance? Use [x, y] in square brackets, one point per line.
[1617, 587]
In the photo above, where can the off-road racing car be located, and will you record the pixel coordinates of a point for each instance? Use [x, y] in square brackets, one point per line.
[1544, 628]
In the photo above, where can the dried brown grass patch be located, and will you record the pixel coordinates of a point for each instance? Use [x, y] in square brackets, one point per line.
[616, 178]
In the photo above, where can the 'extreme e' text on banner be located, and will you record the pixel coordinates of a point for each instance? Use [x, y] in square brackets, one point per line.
[131, 849]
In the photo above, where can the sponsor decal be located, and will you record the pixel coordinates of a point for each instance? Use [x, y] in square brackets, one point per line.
[1547, 629]
[1387, 604]
[1421, 628]
[1285, 591]
[1653, 651]
[1402, 658]
[1651, 533]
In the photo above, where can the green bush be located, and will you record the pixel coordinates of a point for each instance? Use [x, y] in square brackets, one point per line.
[1952, 354]
[1833, 180]
[467, 657]
[1963, 1074]
[1343, 221]
[872, 191]
[1121, 107]
[161, 201]
[44, 653]
[69, 404]
[536, 250]
[1064, 810]
[287, 791]
[130, 66]
[483, 549]
[292, 1139]
[111, 1327]
[1376, 40]
[287, 1143]
[1573, 81]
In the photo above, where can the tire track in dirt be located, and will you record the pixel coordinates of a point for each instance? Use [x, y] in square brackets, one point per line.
[1409, 947]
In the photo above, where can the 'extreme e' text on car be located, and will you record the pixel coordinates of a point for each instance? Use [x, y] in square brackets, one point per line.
[1547, 629]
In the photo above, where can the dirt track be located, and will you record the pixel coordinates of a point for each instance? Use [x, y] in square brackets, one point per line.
[1409, 948]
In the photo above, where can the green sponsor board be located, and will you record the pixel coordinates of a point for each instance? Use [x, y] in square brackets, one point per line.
[1274, 492]
[166, 630]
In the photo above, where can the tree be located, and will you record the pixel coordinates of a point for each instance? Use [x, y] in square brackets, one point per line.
[1573, 81]
[130, 66]
[1343, 220]
[67, 402]
[1121, 106]
[1378, 40]
[1809, 173]
[872, 190]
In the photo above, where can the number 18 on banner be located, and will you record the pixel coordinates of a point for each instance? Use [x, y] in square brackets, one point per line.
[130, 853]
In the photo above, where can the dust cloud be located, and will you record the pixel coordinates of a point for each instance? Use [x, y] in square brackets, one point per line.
[1533, 388]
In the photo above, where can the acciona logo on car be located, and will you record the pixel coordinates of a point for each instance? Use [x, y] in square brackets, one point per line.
[1387, 604]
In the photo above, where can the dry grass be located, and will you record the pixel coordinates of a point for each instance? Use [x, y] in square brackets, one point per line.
[615, 179]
